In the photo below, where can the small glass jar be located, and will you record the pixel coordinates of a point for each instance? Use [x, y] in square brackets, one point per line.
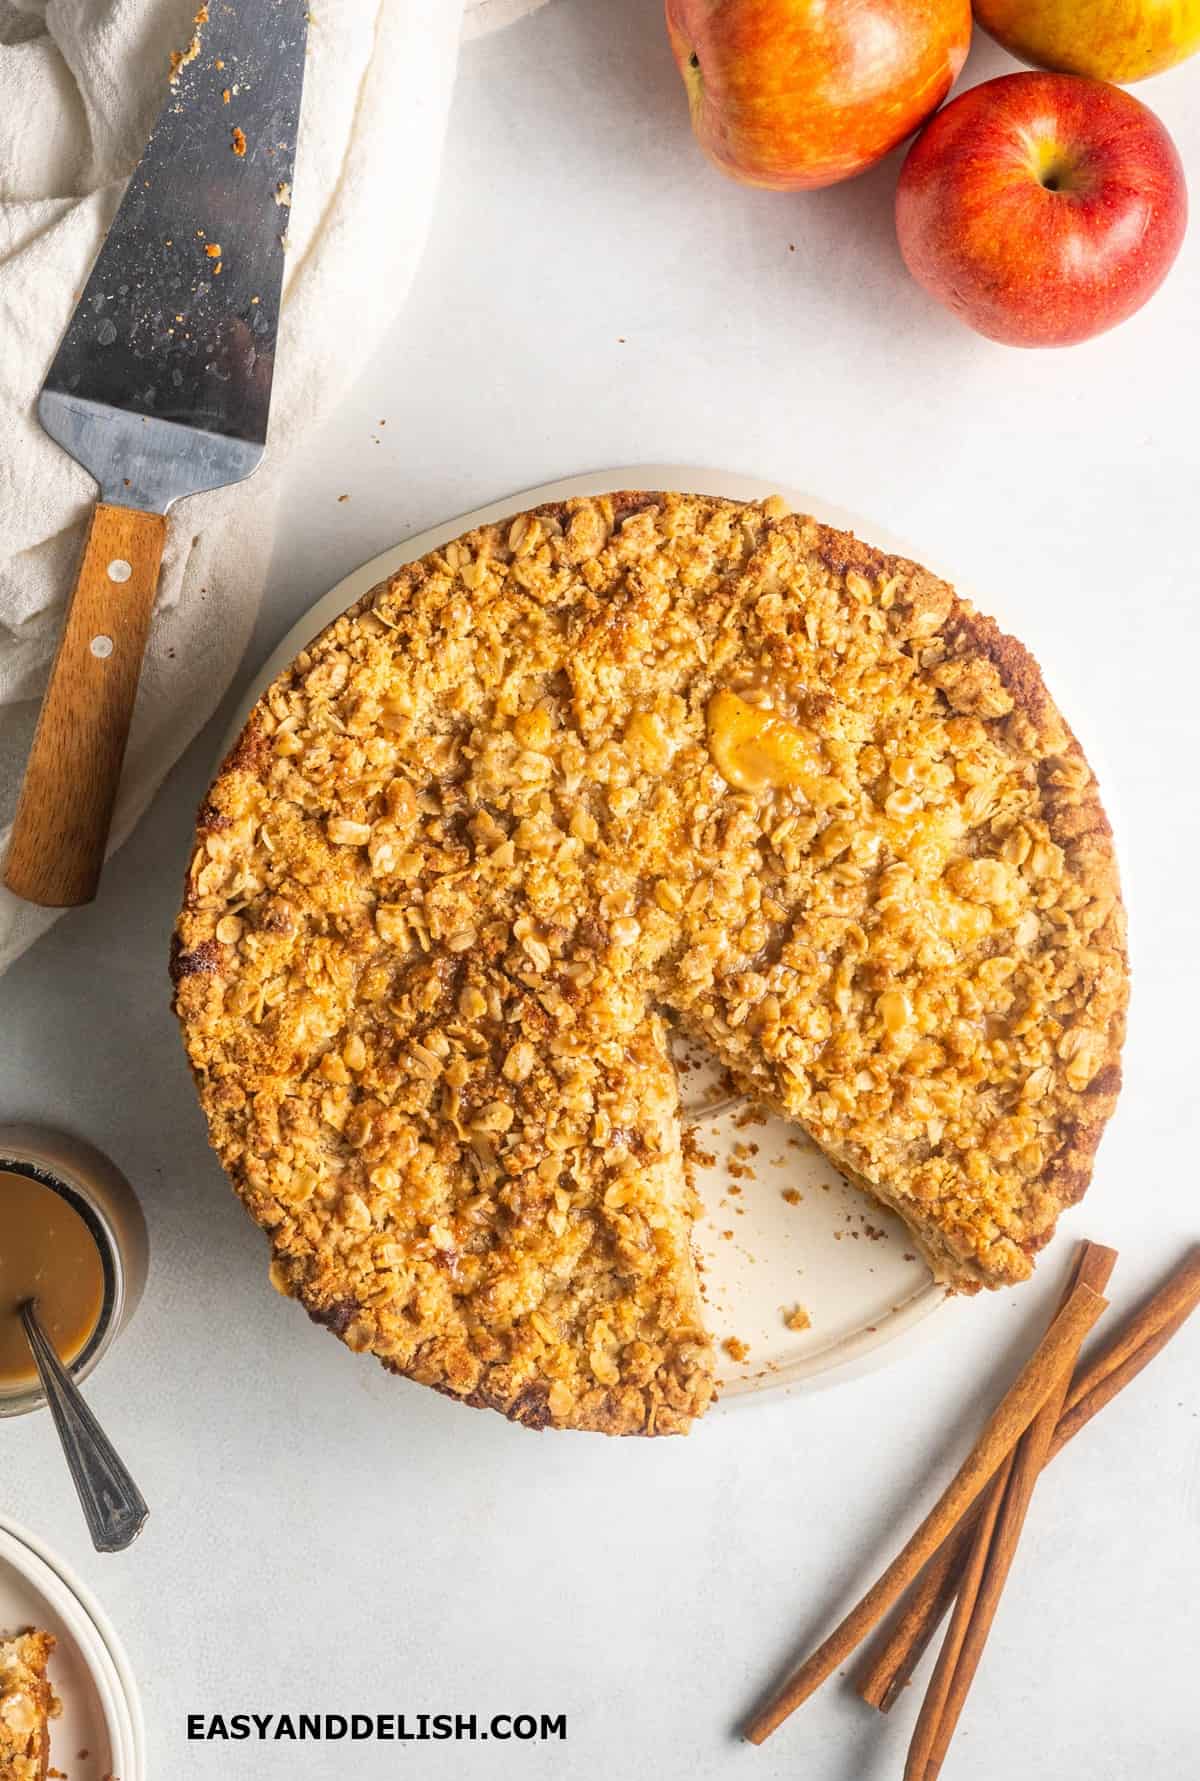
[102, 1197]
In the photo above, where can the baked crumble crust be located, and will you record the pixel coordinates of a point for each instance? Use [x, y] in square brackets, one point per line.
[620, 758]
[27, 1704]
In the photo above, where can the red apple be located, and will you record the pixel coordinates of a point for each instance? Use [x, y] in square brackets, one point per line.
[1042, 208]
[800, 93]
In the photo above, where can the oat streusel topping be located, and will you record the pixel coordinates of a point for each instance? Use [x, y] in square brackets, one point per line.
[27, 1704]
[629, 758]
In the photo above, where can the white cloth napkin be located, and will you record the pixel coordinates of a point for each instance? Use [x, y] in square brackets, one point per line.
[81, 82]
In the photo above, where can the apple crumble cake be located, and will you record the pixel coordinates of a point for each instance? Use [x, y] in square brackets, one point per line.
[27, 1705]
[617, 762]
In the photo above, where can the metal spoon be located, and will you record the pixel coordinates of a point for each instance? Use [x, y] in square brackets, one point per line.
[113, 1506]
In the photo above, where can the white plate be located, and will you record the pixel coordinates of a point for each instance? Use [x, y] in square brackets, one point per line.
[89, 1671]
[846, 1262]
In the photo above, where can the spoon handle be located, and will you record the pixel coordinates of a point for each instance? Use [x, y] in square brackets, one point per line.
[113, 1506]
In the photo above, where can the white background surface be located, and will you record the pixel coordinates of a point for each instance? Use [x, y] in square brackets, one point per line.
[326, 1538]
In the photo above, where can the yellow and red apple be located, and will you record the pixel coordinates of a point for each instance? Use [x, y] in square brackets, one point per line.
[1118, 40]
[799, 93]
[1042, 208]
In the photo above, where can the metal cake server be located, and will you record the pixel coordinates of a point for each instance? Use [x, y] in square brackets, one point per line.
[161, 389]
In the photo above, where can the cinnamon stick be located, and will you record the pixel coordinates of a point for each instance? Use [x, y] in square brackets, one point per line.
[936, 1588]
[1143, 1335]
[994, 1546]
[889, 1669]
[970, 1579]
[1008, 1422]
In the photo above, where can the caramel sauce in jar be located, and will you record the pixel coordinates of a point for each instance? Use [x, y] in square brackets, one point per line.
[47, 1253]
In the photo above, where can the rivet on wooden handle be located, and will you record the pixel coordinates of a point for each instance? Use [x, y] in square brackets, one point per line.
[70, 785]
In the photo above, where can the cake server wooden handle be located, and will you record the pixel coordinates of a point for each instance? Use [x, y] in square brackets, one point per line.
[66, 802]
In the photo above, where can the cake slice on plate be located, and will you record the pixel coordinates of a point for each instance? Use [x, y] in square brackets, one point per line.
[27, 1705]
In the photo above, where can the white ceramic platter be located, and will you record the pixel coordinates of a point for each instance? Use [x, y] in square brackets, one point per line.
[783, 1233]
[89, 1671]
